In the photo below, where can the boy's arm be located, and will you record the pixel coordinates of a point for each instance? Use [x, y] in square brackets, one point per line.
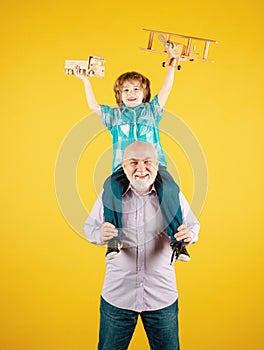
[91, 100]
[167, 84]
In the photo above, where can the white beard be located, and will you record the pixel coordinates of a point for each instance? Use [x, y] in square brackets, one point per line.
[141, 185]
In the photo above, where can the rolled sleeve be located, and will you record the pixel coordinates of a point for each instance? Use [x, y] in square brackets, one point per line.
[109, 116]
[94, 222]
[189, 219]
[157, 111]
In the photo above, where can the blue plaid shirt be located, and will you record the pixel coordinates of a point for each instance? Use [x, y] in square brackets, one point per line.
[128, 125]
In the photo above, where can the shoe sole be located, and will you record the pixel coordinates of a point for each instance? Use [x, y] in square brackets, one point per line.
[183, 257]
[112, 255]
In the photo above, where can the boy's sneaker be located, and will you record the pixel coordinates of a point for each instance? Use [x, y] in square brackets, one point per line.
[184, 255]
[113, 248]
[179, 252]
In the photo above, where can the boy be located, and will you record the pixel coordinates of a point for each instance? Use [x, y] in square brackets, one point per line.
[136, 119]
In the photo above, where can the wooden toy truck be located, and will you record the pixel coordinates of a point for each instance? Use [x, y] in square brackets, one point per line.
[94, 66]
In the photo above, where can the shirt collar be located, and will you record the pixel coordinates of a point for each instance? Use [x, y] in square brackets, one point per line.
[139, 107]
[130, 188]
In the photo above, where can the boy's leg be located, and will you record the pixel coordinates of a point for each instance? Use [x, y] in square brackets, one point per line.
[161, 327]
[114, 187]
[116, 327]
[168, 194]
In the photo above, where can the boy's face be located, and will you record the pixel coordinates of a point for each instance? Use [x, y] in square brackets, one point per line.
[132, 93]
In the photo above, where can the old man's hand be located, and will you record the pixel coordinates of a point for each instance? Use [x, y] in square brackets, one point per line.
[183, 234]
[107, 232]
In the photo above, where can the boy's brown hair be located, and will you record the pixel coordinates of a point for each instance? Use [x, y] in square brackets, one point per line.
[132, 76]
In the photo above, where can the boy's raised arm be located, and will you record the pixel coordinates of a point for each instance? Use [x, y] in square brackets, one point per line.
[91, 100]
[167, 85]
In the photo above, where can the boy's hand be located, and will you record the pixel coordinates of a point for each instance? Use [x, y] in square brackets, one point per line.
[107, 232]
[77, 73]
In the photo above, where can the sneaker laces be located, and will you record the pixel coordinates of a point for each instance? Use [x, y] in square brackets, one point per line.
[176, 249]
[114, 243]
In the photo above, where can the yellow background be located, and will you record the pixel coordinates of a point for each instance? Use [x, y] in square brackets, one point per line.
[51, 278]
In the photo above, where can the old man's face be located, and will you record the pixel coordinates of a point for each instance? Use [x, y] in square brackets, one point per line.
[140, 165]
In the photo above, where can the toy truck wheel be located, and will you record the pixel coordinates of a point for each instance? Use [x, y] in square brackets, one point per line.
[179, 67]
[163, 64]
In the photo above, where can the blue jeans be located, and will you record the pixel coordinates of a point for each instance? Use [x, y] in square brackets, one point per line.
[117, 327]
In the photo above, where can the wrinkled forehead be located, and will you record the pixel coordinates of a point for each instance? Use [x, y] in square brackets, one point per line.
[140, 151]
[136, 159]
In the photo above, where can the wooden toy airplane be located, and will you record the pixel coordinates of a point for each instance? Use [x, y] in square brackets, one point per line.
[94, 66]
[180, 51]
